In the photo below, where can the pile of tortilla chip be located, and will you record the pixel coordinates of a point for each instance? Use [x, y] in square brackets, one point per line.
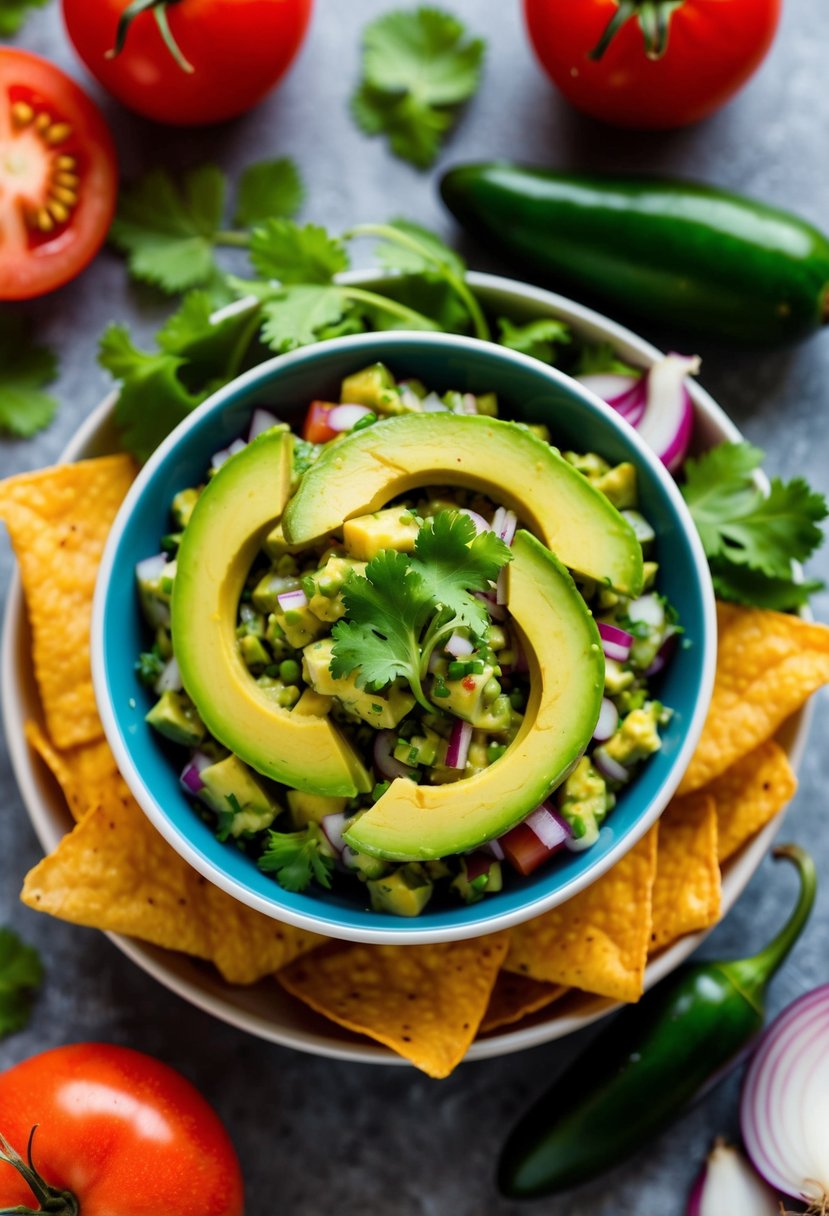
[427, 1003]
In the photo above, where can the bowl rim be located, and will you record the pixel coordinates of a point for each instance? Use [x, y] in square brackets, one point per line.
[50, 818]
[345, 923]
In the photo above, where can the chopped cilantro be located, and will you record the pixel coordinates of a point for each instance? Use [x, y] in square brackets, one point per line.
[750, 538]
[404, 604]
[380, 789]
[295, 858]
[600, 358]
[24, 370]
[270, 188]
[418, 67]
[225, 818]
[21, 973]
[287, 253]
[149, 666]
[538, 339]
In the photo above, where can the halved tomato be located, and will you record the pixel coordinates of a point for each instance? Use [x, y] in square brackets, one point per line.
[58, 177]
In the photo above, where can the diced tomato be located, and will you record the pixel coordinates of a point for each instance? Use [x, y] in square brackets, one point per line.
[524, 850]
[468, 683]
[316, 428]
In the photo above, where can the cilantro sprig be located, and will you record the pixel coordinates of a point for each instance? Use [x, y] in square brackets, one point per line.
[25, 369]
[21, 974]
[296, 858]
[403, 606]
[751, 539]
[418, 67]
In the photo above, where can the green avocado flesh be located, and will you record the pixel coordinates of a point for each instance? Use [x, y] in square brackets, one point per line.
[364, 471]
[234, 513]
[413, 822]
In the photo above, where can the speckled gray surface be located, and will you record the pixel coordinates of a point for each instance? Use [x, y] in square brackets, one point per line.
[315, 1135]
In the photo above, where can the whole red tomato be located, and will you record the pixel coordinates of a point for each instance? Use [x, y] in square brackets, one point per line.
[667, 63]
[120, 1132]
[188, 62]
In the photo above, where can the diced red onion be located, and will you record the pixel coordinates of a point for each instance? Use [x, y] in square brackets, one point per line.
[548, 826]
[409, 398]
[457, 748]
[385, 763]
[480, 523]
[494, 847]
[476, 864]
[432, 404]
[642, 530]
[191, 773]
[224, 454]
[784, 1110]
[534, 841]
[261, 421]
[608, 721]
[292, 600]
[616, 642]
[668, 419]
[504, 524]
[623, 393]
[459, 646]
[497, 611]
[469, 404]
[610, 769]
[151, 568]
[663, 656]
[728, 1186]
[649, 610]
[346, 417]
[170, 678]
[333, 826]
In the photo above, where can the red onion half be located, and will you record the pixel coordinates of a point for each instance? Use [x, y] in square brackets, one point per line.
[728, 1186]
[784, 1110]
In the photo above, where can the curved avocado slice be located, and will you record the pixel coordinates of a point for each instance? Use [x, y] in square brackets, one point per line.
[417, 822]
[232, 516]
[365, 470]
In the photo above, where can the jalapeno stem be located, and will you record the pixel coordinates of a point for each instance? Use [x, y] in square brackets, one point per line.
[751, 975]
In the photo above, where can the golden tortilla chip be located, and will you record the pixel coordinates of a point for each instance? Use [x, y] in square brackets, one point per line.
[515, 997]
[598, 940]
[58, 520]
[115, 872]
[768, 665]
[424, 1002]
[749, 794]
[86, 773]
[686, 891]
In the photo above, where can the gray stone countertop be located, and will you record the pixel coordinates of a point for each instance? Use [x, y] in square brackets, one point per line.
[315, 1135]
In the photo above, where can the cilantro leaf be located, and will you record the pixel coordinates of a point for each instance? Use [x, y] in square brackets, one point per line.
[416, 251]
[538, 339]
[21, 973]
[300, 315]
[168, 232]
[295, 858]
[598, 358]
[269, 189]
[453, 560]
[750, 538]
[417, 65]
[212, 342]
[13, 13]
[283, 251]
[152, 398]
[24, 370]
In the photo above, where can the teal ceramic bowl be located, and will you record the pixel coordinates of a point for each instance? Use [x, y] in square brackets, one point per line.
[528, 391]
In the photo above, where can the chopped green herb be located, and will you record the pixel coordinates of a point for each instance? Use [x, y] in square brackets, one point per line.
[538, 339]
[272, 188]
[149, 666]
[294, 858]
[24, 371]
[21, 973]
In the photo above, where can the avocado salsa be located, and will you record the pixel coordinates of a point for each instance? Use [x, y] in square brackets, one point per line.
[404, 703]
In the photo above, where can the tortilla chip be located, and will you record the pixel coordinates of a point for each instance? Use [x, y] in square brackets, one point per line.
[686, 891]
[749, 794]
[115, 872]
[58, 520]
[515, 997]
[598, 940]
[424, 1002]
[86, 774]
[768, 665]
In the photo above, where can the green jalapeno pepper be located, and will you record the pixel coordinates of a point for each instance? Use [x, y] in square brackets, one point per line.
[676, 253]
[648, 1064]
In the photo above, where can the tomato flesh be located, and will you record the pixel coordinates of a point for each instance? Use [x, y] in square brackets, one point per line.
[58, 177]
[524, 850]
[316, 428]
[713, 47]
[237, 49]
[124, 1133]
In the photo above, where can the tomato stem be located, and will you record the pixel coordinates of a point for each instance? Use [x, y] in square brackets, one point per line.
[159, 11]
[654, 17]
[53, 1201]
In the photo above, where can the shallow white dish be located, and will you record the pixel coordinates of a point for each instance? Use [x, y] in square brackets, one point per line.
[265, 1010]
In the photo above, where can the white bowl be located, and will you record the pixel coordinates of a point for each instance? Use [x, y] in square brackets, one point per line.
[264, 1009]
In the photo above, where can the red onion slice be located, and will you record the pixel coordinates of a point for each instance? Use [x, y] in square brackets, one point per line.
[497, 611]
[616, 642]
[432, 404]
[346, 417]
[480, 523]
[663, 656]
[469, 404]
[548, 826]
[728, 1185]
[501, 593]
[224, 454]
[170, 678]
[669, 411]
[608, 721]
[191, 773]
[504, 524]
[457, 749]
[534, 841]
[262, 420]
[649, 610]
[333, 826]
[494, 847]
[385, 764]
[151, 568]
[610, 769]
[292, 600]
[459, 646]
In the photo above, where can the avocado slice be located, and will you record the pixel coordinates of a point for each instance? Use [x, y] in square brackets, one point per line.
[417, 822]
[232, 516]
[365, 470]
